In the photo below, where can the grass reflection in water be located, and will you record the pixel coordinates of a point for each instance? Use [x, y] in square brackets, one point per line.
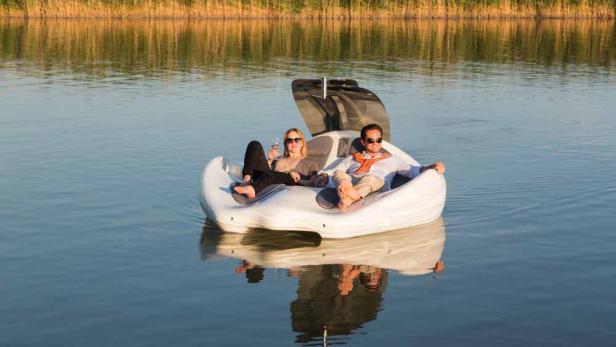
[103, 48]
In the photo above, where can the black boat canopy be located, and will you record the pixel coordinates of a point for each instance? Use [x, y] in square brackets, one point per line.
[345, 106]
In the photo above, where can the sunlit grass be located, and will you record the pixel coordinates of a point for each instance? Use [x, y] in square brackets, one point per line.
[308, 8]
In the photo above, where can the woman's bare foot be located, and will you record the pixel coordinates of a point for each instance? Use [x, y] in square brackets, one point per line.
[249, 191]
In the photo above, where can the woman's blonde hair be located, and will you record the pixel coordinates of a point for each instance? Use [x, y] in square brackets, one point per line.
[301, 135]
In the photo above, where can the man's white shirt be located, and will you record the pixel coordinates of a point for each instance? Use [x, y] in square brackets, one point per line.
[386, 168]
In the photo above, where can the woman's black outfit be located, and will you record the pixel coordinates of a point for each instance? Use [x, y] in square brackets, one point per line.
[258, 168]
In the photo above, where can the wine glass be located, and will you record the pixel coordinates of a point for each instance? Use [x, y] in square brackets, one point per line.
[276, 142]
[275, 147]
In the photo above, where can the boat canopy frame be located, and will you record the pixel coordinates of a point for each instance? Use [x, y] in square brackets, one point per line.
[338, 104]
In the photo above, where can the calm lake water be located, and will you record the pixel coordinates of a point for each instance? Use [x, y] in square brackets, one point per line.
[105, 127]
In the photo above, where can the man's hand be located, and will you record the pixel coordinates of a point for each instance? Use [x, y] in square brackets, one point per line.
[295, 176]
[439, 167]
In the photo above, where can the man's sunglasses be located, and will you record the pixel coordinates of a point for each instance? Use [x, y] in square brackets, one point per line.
[292, 139]
[377, 140]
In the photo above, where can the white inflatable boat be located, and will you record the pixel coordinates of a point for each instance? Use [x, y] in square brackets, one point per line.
[334, 113]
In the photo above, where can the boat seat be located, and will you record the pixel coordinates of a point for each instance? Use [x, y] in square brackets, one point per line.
[318, 149]
[267, 191]
[328, 199]
[399, 180]
[357, 146]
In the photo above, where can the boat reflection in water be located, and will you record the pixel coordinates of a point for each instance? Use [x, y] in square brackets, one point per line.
[340, 282]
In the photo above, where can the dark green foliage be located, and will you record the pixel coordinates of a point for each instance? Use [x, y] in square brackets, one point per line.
[298, 5]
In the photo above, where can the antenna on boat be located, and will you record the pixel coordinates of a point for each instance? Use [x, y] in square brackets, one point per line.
[324, 85]
[325, 336]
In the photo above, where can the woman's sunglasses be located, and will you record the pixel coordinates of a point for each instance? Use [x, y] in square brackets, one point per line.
[377, 140]
[292, 139]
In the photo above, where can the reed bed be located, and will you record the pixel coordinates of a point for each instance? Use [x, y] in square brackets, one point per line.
[309, 8]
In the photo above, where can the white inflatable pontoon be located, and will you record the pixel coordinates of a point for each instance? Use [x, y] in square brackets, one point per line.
[334, 112]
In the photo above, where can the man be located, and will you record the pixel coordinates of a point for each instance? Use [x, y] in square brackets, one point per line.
[363, 173]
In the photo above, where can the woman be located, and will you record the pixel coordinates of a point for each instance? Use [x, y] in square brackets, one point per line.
[293, 168]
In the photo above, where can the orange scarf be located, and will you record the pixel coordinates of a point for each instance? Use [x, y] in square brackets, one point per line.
[365, 164]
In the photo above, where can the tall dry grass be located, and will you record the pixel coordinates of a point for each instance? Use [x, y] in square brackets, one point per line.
[308, 8]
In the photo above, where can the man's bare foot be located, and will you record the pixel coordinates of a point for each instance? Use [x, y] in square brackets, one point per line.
[249, 191]
[349, 191]
[347, 194]
[345, 202]
[340, 191]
